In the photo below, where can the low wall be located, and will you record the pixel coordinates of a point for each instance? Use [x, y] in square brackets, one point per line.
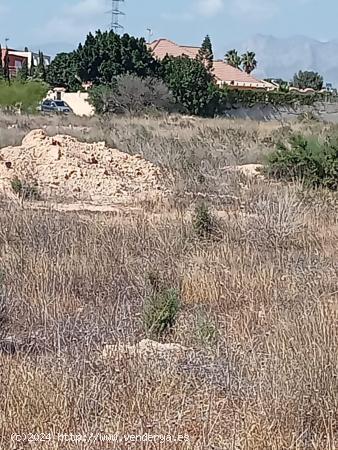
[78, 101]
[324, 111]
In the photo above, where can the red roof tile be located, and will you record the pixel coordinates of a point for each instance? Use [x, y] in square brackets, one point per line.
[163, 47]
[226, 73]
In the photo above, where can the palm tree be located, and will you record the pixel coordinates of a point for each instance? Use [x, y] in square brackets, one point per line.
[249, 62]
[233, 59]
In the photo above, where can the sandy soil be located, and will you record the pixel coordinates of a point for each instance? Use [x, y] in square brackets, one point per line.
[63, 167]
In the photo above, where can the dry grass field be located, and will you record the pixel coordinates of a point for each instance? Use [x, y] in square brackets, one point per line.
[258, 301]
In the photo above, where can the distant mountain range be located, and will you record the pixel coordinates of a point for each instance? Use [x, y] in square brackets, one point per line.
[281, 58]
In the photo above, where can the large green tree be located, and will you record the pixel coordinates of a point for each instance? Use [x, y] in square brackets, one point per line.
[104, 56]
[233, 59]
[249, 62]
[308, 79]
[191, 84]
[205, 53]
[62, 72]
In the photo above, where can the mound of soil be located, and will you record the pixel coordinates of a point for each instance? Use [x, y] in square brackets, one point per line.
[63, 167]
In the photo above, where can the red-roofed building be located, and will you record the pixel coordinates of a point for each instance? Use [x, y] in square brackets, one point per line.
[15, 61]
[224, 73]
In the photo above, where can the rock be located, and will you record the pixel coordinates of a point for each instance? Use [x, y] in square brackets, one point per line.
[147, 349]
[33, 137]
[250, 170]
[55, 142]
[54, 154]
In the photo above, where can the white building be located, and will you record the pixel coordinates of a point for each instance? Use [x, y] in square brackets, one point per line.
[31, 57]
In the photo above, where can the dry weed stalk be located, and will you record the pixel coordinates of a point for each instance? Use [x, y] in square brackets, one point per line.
[263, 369]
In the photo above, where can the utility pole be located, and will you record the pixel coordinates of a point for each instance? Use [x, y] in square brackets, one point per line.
[150, 33]
[116, 13]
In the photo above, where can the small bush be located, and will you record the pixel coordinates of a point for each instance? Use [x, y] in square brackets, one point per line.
[25, 190]
[207, 332]
[130, 94]
[307, 159]
[203, 221]
[160, 311]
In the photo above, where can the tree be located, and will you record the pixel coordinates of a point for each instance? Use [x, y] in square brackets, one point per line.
[106, 55]
[6, 70]
[101, 58]
[1, 65]
[308, 79]
[191, 84]
[249, 62]
[62, 72]
[233, 59]
[32, 67]
[40, 70]
[205, 53]
[23, 73]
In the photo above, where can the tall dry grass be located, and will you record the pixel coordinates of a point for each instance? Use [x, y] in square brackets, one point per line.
[259, 312]
[195, 150]
[267, 379]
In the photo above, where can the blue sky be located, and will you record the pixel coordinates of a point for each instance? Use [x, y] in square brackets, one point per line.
[39, 22]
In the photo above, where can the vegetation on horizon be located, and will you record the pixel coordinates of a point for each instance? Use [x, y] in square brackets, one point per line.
[308, 79]
[22, 96]
[116, 66]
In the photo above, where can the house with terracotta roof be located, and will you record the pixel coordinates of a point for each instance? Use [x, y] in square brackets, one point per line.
[224, 73]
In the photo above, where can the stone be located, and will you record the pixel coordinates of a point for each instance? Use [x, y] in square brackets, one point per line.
[147, 349]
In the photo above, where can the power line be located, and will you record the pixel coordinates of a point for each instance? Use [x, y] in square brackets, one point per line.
[116, 13]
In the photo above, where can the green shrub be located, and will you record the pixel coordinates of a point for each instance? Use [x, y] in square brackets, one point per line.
[130, 94]
[25, 190]
[310, 160]
[203, 221]
[160, 310]
[233, 98]
[25, 96]
[207, 332]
